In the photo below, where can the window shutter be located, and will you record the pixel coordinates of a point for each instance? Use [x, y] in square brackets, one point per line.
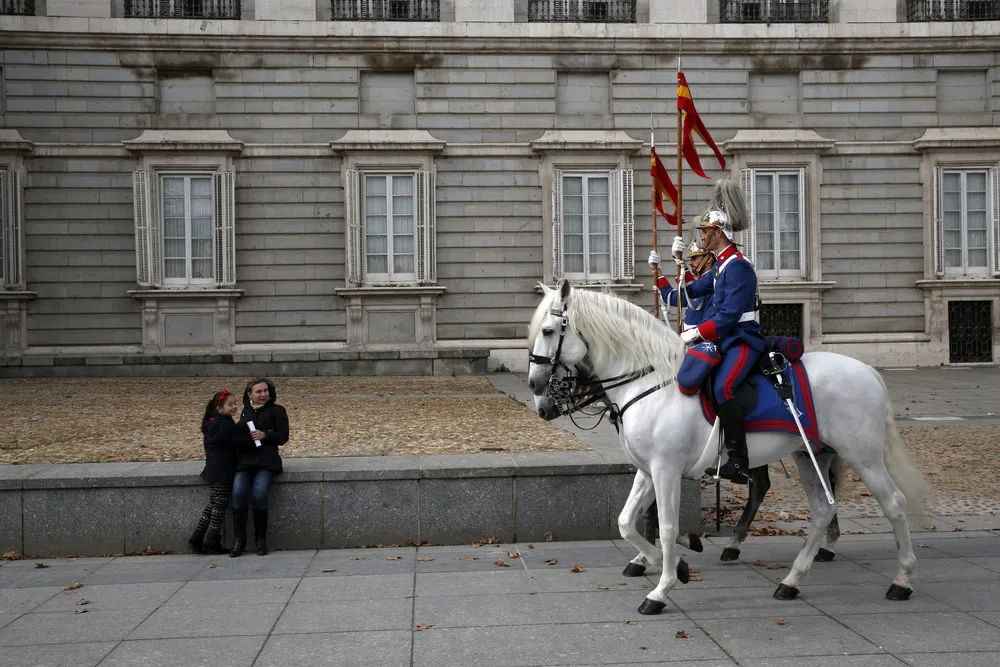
[628, 226]
[11, 216]
[353, 241]
[995, 185]
[622, 225]
[938, 204]
[148, 256]
[225, 228]
[557, 226]
[426, 235]
[746, 238]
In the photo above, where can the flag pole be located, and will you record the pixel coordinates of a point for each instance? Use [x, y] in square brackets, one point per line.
[680, 199]
[656, 267]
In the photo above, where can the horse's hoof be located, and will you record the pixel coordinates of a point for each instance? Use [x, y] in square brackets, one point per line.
[651, 607]
[824, 555]
[683, 571]
[784, 592]
[694, 543]
[634, 570]
[897, 592]
[729, 553]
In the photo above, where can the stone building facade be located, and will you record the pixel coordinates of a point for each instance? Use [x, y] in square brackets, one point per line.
[360, 186]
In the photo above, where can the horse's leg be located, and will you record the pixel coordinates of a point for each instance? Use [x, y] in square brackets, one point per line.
[760, 482]
[641, 497]
[822, 514]
[827, 551]
[667, 484]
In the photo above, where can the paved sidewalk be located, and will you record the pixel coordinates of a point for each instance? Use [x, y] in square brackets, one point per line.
[367, 607]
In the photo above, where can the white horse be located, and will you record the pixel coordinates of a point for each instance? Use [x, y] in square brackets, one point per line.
[665, 435]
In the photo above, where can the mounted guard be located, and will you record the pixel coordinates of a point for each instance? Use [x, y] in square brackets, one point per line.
[730, 318]
[699, 261]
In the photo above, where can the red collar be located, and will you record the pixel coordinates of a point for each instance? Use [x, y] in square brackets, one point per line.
[730, 250]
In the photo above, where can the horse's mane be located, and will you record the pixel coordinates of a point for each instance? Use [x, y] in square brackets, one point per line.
[616, 331]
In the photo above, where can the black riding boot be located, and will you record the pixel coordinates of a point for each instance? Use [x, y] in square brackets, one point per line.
[197, 537]
[240, 531]
[737, 468]
[260, 531]
[213, 544]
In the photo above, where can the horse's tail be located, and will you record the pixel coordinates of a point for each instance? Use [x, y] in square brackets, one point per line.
[905, 475]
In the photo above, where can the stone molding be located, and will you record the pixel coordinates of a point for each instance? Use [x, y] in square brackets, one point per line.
[202, 141]
[14, 312]
[605, 141]
[970, 138]
[355, 141]
[777, 140]
[362, 302]
[11, 141]
[158, 304]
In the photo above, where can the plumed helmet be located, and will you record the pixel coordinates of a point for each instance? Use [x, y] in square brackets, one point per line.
[696, 251]
[717, 219]
[728, 209]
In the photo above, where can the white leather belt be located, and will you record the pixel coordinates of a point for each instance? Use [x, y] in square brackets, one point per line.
[748, 316]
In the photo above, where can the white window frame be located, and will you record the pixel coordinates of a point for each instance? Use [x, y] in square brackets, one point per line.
[12, 251]
[148, 204]
[585, 179]
[187, 279]
[390, 275]
[751, 240]
[425, 244]
[992, 267]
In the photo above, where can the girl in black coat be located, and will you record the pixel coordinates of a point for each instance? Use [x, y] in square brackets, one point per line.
[223, 438]
[257, 466]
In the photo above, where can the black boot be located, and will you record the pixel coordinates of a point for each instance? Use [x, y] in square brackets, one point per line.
[260, 531]
[737, 468]
[240, 531]
[213, 544]
[197, 537]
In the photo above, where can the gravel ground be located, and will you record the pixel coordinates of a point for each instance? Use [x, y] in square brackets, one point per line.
[103, 420]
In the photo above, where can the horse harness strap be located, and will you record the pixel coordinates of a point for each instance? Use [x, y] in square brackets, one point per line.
[616, 414]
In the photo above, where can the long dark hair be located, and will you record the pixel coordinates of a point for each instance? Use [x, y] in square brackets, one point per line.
[212, 408]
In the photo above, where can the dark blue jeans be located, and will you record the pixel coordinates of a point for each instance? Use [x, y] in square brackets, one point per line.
[255, 483]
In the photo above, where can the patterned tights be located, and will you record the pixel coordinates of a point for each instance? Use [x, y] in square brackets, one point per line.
[211, 518]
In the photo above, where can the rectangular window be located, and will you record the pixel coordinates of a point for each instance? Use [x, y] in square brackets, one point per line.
[187, 228]
[776, 201]
[390, 229]
[965, 220]
[593, 227]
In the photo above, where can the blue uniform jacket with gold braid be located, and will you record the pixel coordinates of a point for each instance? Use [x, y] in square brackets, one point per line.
[729, 315]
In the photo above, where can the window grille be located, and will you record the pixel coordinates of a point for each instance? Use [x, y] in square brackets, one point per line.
[182, 9]
[952, 10]
[781, 319]
[386, 10]
[970, 332]
[774, 11]
[581, 11]
[17, 7]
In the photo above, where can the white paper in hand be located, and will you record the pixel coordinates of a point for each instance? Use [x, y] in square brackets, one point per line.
[253, 428]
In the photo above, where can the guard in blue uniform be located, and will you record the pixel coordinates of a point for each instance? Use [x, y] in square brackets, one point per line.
[729, 317]
[699, 261]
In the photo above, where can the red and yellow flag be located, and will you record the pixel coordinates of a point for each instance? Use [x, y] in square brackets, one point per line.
[692, 121]
[662, 187]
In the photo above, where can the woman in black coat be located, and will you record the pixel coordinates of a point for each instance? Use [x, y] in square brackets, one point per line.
[256, 466]
[222, 438]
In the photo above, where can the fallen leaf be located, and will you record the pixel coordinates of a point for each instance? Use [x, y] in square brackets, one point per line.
[355, 557]
[777, 566]
[548, 536]
[552, 561]
[605, 588]
[760, 563]
[73, 586]
[513, 554]
[471, 558]
[393, 557]
[782, 622]
[629, 622]
[680, 634]
[329, 570]
[81, 602]
[212, 566]
[80, 611]
[500, 563]
[693, 578]
[699, 603]
[531, 546]
[533, 593]
[420, 627]
[866, 494]
[12, 555]
[643, 648]
[576, 568]
[425, 559]
[924, 546]
[41, 566]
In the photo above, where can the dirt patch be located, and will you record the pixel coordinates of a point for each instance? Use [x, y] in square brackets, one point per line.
[958, 462]
[158, 419]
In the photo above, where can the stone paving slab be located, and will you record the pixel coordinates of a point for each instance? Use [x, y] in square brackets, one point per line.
[86, 654]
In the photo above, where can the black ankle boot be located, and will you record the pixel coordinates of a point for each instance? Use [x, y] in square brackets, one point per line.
[737, 467]
[240, 531]
[260, 531]
[197, 537]
[213, 544]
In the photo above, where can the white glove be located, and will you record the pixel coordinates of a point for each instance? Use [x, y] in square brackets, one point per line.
[654, 258]
[678, 248]
[690, 336]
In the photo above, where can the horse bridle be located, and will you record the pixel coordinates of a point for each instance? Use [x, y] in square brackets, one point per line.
[570, 396]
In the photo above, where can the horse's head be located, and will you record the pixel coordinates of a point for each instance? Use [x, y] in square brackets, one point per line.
[554, 343]
[546, 407]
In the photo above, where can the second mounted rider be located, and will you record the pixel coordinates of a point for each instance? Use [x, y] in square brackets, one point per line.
[729, 316]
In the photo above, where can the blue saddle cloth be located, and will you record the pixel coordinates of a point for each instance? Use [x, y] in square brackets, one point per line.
[771, 413]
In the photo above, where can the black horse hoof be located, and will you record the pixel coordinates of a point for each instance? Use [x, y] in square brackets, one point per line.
[651, 607]
[897, 592]
[634, 570]
[824, 555]
[729, 553]
[784, 592]
[694, 543]
[683, 571]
